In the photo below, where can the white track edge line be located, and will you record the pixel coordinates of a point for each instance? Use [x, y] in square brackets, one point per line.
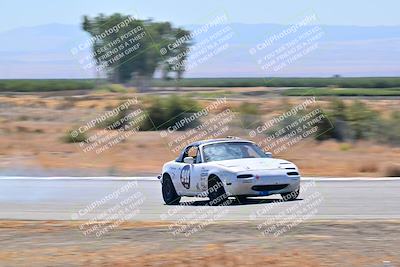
[152, 178]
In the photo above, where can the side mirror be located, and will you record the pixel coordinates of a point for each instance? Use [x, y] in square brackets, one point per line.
[188, 160]
[268, 154]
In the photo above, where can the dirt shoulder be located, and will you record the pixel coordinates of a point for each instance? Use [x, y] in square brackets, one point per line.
[318, 243]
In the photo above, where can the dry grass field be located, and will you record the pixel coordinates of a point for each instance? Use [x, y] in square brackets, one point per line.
[32, 127]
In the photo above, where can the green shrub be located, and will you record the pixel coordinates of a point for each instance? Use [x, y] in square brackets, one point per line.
[357, 121]
[115, 122]
[115, 88]
[249, 115]
[164, 112]
[393, 131]
[74, 136]
[333, 125]
[362, 120]
[389, 130]
[345, 147]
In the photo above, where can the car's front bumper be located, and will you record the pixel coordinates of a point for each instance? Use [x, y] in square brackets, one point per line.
[263, 183]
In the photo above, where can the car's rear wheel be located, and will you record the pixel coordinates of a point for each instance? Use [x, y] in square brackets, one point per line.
[168, 191]
[216, 191]
[291, 195]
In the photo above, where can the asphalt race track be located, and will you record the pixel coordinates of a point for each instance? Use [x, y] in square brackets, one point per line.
[82, 199]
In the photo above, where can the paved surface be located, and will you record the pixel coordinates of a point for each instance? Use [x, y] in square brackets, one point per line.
[63, 199]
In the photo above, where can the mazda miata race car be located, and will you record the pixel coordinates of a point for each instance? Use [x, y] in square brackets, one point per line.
[221, 168]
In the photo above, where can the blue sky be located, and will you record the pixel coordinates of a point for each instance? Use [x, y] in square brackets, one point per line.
[43, 49]
[19, 13]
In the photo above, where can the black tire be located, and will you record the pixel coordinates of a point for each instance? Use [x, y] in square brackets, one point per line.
[241, 199]
[216, 191]
[291, 195]
[168, 192]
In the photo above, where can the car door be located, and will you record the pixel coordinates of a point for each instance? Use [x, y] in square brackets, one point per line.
[174, 170]
[185, 175]
[199, 175]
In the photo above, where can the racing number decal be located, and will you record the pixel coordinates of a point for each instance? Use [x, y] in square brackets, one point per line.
[185, 176]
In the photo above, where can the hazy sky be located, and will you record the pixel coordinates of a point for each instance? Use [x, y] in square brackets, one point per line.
[17, 13]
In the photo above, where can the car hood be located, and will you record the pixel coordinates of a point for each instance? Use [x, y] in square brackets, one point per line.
[238, 165]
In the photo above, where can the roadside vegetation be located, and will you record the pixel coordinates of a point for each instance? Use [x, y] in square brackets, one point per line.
[356, 121]
[45, 85]
[342, 92]
[114, 88]
[344, 122]
[73, 136]
[166, 111]
[249, 114]
[348, 121]
[161, 112]
[380, 86]
[340, 82]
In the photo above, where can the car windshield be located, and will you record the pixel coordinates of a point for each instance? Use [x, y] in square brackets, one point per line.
[231, 150]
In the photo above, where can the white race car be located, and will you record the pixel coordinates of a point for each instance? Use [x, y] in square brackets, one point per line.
[220, 168]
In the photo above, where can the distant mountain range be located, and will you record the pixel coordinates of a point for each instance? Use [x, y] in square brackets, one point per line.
[45, 52]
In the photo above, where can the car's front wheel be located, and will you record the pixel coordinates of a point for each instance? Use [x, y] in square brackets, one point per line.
[241, 199]
[291, 195]
[169, 193]
[216, 191]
